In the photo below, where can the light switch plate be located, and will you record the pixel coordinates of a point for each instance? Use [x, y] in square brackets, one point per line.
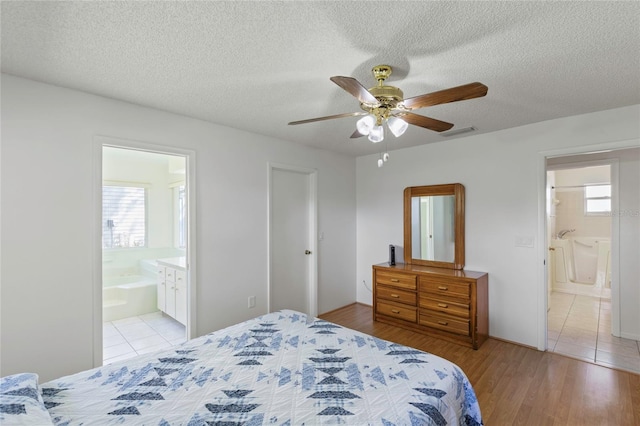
[525, 241]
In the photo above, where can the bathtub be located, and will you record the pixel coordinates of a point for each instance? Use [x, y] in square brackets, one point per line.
[581, 265]
[128, 296]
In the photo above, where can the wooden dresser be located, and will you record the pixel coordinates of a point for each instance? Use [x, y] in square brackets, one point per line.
[445, 303]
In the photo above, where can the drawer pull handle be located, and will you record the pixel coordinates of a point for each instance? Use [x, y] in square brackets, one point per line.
[395, 295]
[443, 305]
[395, 280]
[443, 323]
[441, 287]
[395, 311]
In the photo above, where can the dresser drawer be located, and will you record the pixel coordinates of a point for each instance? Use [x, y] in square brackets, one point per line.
[450, 305]
[401, 312]
[446, 287]
[405, 281]
[442, 322]
[400, 296]
[446, 306]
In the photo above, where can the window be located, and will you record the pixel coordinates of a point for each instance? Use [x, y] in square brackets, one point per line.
[124, 216]
[597, 199]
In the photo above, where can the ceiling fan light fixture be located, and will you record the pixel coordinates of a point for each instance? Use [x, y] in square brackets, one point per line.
[376, 134]
[397, 126]
[365, 124]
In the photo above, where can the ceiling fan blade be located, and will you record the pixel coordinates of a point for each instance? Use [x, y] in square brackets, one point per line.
[328, 117]
[356, 134]
[426, 122]
[356, 89]
[454, 94]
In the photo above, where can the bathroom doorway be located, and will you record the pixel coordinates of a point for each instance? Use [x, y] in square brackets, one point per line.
[145, 251]
[584, 193]
[579, 224]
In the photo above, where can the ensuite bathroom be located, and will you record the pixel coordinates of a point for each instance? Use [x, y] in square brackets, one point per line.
[144, 274]
[579, 232]
[580, 229]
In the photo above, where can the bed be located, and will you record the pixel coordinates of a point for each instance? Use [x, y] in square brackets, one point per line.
[282, 368]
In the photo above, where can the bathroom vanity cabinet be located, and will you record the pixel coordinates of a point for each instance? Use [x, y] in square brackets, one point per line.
[445, 303]
[172, 288]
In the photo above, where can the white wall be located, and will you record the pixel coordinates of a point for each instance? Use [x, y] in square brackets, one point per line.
[500, 172]
[629, 220]
[47, 219]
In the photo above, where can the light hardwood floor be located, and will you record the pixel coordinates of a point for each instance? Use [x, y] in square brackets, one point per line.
[516, 385]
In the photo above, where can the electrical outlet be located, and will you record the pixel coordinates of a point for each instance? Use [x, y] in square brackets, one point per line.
[252, 302]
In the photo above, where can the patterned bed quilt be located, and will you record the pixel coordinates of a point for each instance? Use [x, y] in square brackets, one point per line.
[282, 368]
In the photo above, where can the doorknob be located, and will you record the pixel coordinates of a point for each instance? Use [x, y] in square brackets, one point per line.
[307, 252]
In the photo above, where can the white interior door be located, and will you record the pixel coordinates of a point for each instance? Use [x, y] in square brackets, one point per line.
[292, 240]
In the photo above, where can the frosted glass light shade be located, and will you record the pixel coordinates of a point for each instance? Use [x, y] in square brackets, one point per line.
[376, 134]
[397, 126]
[365, 124]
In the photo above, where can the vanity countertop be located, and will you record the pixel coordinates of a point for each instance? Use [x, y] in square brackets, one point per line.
[174, 262]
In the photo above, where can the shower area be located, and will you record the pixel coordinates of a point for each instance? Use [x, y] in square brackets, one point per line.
[579, 227]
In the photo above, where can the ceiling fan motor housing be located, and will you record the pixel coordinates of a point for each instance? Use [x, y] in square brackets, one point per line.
[388, 96]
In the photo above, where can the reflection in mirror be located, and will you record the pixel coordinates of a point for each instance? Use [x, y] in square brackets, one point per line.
[433, 228]
[434, 225]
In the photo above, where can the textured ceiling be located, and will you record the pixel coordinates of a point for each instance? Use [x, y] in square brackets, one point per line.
[258, 65]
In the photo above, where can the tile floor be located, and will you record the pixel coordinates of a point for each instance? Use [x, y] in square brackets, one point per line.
[128, 337]
[580, 327]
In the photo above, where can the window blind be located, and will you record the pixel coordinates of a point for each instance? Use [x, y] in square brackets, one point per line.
[124, 216]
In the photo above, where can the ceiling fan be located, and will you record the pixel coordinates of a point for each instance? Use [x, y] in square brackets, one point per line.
[382, 104]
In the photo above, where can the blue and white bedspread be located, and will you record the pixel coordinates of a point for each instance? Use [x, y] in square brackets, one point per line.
[278, 369]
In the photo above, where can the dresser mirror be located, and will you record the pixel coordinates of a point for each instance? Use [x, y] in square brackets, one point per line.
[434, 225]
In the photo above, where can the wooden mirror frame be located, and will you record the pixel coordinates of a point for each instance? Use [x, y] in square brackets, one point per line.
[455, 189]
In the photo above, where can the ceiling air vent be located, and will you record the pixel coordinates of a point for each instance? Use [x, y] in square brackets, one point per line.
[458, 131]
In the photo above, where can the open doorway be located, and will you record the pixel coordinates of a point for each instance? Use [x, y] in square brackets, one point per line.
[590, 223]
[144, 230]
